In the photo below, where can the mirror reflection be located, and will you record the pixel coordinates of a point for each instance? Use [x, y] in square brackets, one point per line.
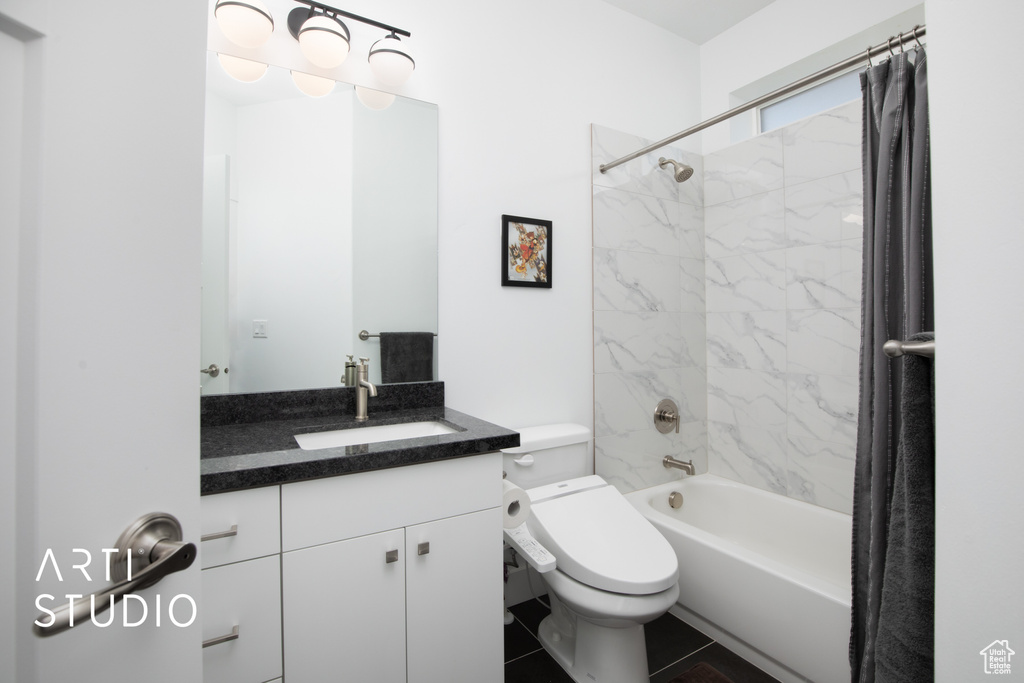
[319, 221]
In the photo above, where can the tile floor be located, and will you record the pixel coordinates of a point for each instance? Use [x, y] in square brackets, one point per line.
[672, 648]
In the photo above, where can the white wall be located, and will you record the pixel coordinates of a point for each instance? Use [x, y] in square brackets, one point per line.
[518, 86]
[977, 206]
[812, 32]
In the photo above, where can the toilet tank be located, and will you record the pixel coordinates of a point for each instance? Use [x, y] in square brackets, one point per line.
[547, 454]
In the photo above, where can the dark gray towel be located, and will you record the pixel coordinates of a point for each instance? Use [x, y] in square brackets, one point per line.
[905, 645]
[406, 357]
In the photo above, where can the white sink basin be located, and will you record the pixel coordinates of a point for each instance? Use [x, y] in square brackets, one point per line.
[360, 435]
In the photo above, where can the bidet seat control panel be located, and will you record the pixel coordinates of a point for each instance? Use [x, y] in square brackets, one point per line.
[529, 547]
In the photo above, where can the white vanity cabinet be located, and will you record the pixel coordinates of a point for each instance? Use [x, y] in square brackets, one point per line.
[391, 576]
[395, 575]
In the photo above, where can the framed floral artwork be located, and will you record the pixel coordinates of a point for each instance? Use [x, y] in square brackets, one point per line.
[525, 252]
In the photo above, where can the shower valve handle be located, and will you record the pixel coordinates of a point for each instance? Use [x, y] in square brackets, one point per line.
[666, 416]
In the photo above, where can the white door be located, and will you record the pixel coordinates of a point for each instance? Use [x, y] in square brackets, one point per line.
[106, 329]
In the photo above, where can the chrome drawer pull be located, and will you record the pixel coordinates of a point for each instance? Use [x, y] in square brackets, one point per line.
[222, 639]
[390, 556]
[423, 548]
[233, 531]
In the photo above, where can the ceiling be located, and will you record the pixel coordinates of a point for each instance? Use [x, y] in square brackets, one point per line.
[696, 20]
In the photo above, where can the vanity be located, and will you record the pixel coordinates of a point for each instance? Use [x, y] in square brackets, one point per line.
[377, 561]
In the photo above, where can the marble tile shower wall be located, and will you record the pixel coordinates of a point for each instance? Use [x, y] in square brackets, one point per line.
[783, 222]
[738, 296]
[649, 322]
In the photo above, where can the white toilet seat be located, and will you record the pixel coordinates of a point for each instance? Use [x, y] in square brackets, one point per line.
[602, 541]
[610, 609]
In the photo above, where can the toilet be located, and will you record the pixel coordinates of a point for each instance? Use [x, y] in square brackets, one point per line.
[614, 571]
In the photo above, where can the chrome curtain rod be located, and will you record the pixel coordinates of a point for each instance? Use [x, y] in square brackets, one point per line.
[888, 46]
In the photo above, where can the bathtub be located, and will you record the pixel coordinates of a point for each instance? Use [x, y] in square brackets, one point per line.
[766, 575]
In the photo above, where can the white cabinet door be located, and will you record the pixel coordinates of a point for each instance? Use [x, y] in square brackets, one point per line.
[344, 611]
[454, 599]
[246, 595]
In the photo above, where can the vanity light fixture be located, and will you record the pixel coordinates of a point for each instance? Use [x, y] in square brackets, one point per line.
[245, 70]
[390, 60]
[325, 41]
[247, 23]
[374, 99]
[314, 86]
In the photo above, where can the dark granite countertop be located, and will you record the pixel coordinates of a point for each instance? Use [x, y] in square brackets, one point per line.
[238, 454]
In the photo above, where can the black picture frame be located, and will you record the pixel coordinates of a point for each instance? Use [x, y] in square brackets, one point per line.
[525, 252]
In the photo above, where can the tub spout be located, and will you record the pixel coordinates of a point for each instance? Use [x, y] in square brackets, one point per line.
[670, 462]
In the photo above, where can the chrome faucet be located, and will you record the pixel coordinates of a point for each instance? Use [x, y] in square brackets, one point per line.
[364, 389]
[669, 461]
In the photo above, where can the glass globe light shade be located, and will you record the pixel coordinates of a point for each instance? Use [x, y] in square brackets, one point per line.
[246, 23]
[314, 86]
[374, 99]
[324, 41]
[390, 60]
[244, 70]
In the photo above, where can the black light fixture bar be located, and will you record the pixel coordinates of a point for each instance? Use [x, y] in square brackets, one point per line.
[333, 10]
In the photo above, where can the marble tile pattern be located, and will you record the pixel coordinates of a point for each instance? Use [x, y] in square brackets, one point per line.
[759, 343]
[649, 311]
[783, 265]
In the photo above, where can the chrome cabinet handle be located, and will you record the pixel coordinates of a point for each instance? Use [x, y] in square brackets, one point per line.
[154, 540]
[222, 639]
[423, 548]
[390, 556]
[233, 531]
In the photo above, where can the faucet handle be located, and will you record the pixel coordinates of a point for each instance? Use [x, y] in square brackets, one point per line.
[363, 360]
[666, 415]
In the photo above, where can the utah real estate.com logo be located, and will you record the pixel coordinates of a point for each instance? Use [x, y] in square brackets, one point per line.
[997, 657]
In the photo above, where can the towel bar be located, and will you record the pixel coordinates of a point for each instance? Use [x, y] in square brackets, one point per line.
[895, 348]
[364, 335]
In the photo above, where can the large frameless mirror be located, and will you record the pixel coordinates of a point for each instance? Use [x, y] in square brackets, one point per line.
[319, 221]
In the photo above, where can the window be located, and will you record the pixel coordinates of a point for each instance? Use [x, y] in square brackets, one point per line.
[818, 98]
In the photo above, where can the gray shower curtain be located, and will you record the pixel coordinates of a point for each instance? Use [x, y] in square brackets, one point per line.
[893, 587]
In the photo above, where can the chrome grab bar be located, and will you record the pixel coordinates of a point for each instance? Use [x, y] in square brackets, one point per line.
[155, 542]
[894, 348]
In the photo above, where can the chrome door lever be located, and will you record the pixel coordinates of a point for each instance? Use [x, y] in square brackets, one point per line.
[154, 541]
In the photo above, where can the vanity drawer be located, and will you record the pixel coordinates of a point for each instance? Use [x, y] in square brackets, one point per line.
[246, 595]
[335, 508]
[256, 516]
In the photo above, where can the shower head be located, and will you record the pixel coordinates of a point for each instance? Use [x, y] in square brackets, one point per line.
[682, 172]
